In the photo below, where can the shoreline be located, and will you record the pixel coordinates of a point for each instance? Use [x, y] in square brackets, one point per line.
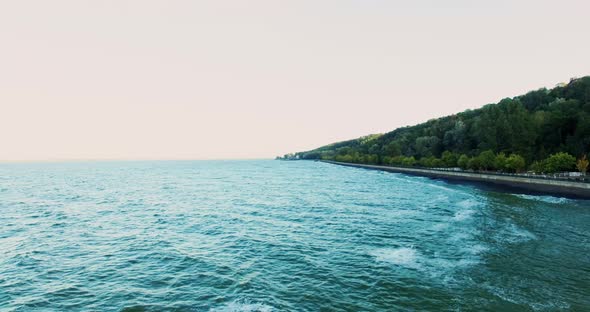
[549, 187]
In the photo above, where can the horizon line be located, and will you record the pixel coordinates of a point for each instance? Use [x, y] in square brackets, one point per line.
[63, 160]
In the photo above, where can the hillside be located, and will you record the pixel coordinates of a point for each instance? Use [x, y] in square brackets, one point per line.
[544, 130]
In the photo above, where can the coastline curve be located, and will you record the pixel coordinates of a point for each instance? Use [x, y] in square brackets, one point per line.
[553, 187]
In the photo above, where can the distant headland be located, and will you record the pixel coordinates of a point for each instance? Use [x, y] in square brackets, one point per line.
[545, 132]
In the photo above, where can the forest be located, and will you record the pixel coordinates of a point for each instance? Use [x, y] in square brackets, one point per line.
[543, 131]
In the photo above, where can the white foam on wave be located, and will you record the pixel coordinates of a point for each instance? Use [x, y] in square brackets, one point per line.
[515, 234]
[544, 198]
[467, 208]
[427, 182]
[243, 306]
[460, 236]
[510, 233]
[513, 296]
[404, 256]
[476, 249]
[439, 267]
[440, 226]
[465, 212]
[457, 248]
[468, 203]
[463, 215]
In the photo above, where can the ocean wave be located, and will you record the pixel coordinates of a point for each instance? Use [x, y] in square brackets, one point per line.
[463, 215]
[515, 234]
[544, 198]
[438, 268]
[259, 241]
[243, 305]
[516, 297]
[404, 256]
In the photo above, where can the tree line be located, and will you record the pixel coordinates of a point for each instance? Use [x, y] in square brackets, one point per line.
[545, 131]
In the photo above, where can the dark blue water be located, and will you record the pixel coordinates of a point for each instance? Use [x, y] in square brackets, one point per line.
[280, 236]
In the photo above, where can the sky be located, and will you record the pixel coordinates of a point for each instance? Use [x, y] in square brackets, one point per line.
[222, 79]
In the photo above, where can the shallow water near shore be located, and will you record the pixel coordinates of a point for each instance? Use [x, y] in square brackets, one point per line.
[280, 236]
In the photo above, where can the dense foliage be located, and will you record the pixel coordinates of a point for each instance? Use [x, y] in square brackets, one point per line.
[544, 130]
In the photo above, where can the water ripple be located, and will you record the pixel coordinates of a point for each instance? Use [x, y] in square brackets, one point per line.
[280, 236]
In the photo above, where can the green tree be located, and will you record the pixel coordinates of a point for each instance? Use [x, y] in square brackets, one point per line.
[449, 159]
[409, 161]
[515, 163]
[560, 162]
[474, 163]
[346, 158]
[427, 145]
[397, 160]
[486, 159]
[425, 162]
[393, 148]
[385, 160]
[463, 161]
[437, 163]
[500, 161]
[372, 159]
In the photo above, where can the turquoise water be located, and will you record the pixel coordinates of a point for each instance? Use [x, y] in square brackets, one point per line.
[280, 236]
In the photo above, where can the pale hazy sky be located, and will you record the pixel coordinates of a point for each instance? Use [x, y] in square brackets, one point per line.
[245, 79]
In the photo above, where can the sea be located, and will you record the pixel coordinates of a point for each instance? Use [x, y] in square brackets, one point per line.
[264, 235]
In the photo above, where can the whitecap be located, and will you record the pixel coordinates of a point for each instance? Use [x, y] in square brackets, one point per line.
[469, 203]
[515, 234]
[404, 256]
[243, 306]
[476, 249]
[463, 215]
[441, 268]
[521, 233]
[460, 236]
[440, 226]
[519, 298]
[466, 209]
[544, 198]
